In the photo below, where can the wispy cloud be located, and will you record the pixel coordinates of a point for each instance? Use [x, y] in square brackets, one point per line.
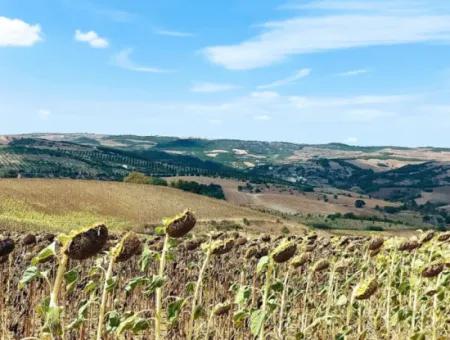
[44, 114]
[265, 105]
[262, 117]
[116, 15]
[172, 33]
[353, 73]
[207, 87]
[340, 5]
[373, 6]
[330, 31]
[15, 32]
[304, 72]
[92, 38]
[122, 59]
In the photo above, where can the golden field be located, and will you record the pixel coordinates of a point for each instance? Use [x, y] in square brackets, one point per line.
[47, 204]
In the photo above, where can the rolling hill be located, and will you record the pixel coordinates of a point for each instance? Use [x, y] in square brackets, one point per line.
[52, 204]
[415, 178]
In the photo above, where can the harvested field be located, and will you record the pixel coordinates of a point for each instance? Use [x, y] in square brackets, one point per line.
[63, 204]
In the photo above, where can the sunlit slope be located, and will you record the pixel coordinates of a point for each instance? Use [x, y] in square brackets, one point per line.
[52, 204]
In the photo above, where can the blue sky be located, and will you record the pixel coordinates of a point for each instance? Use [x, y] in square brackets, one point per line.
[359, 72]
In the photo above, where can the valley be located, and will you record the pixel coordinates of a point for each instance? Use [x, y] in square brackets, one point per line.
[317, 185]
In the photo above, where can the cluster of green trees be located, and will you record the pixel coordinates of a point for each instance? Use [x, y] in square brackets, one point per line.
[139, 178]
[211, 190]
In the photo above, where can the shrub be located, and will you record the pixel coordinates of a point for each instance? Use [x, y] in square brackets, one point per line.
[373, 228]
[140, 178]
[360, 204]
[136, 178]
[285, 230]
[320, 225]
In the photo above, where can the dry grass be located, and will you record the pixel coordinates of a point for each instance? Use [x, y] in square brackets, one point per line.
[439, 195]
[305, 203]
[61, 204]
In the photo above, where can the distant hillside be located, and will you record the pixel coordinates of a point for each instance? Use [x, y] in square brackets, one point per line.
[32, 157]
[418, 178]
[407, 180]
[246, 154]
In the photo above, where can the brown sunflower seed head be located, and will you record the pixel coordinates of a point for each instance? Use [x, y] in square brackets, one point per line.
[376, 243]
[344, 241]
[428, 236]
[29, 239]
[263, 251]
[409, 245]
[181, 225]
[431, 292]
[444, 237]
[321, 265]
[265, 238]
[284, 252]
[222, 309]
[433, 270]
[222, 247]
[366, 289]
[241, 241]
[131, 246]
[87, 243]
[312, 236]
[300, 260]
[46, 238]
[6, 246]
[191, 245]
[251, 252]
[342, 265]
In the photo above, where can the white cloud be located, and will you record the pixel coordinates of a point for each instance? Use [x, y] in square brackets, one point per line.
[264, 95]
[92, 38]
[341, 5]
[308, 109]
[122, 59]
[15, 32]
[176, 34]
[115, 15]
[206, 87]
[337, 30]
[44, 114]
[262, 117]
[353, 73]
[377, 6]
[304, 72]
[336, 102]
